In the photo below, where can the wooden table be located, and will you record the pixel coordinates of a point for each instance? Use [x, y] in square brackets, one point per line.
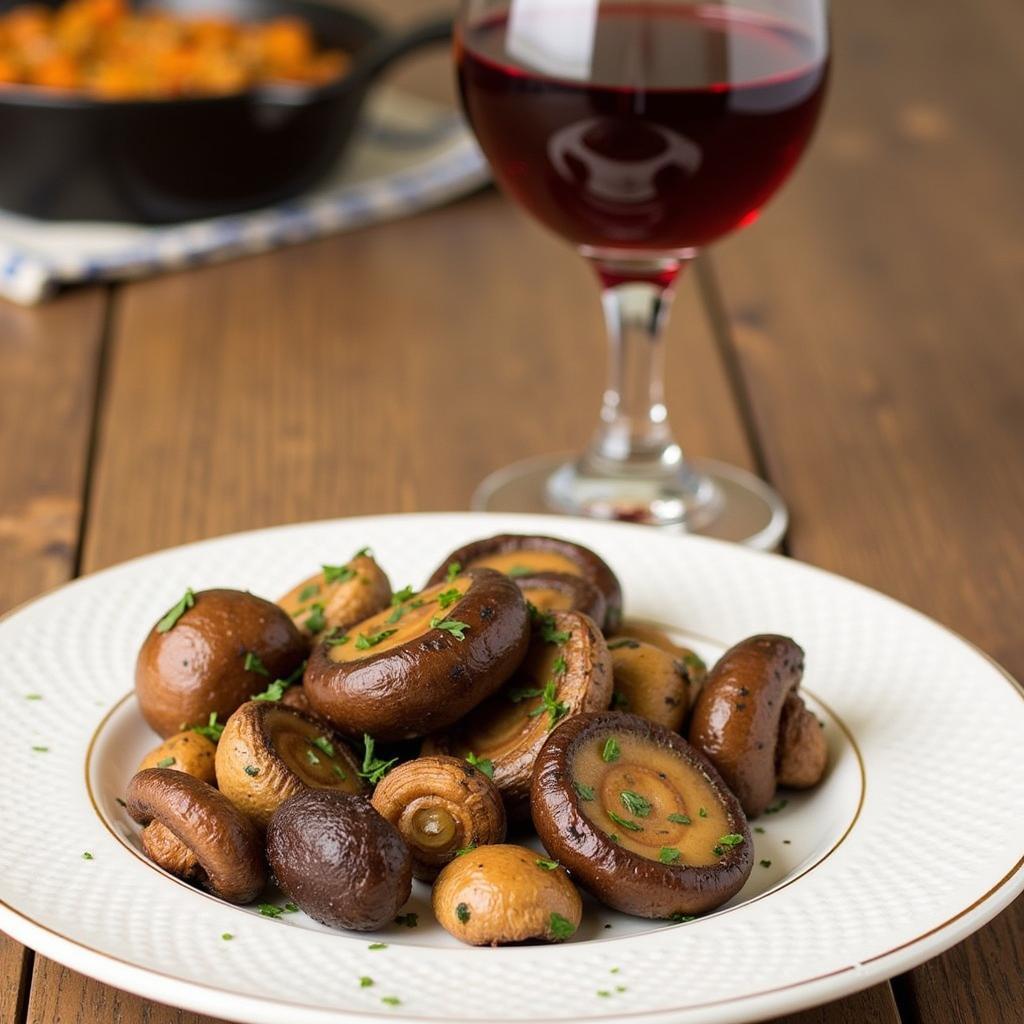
[861, 348]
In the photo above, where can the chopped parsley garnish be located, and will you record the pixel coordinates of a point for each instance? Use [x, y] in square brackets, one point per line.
[374, 768]
[519, 570]
[212, 730]
[311, 757]
[377, 945]
[519, 694]
[462, 913]
[269, 910]
[33, 696]
[364, 642]
[680, 918]
[338, 573]
[401, 603]
[403, 595]
[365, 981]
[309, 591]
[454, 568]
[775, 808]
[41, 750]
[604, 992]
[484, 764]
[625, 822]
[555, 708]
[613, 836]
[694, 661]
[560, 928]
[718, 851]
[227, 936]
[669, 855]
[336, 637]
[168, 622]
[560, 667]
[547, 865]
[679, 819]
[275, 691]
[626, 642]
[619, 700]
[166, 762]
[466, 849]
[362, 553]
[317, 621]
[251, 770]
[766, 863]
[638, 806]
[732, 839]
[448, 597]
[337, 769]
[549, 634]
[703, 812]
[611, 751]
[621, 988]
[291, 908]
[759, 830]
[583, 791]
[453, 626]
[410, 920]
[87, 856]
[391, 1000]
[324, 744]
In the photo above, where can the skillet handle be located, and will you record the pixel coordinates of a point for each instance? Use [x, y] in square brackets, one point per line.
[396, 45]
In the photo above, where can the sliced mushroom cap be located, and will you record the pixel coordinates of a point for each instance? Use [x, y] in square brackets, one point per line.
[566, 671]
[338, 596]
[186, 752]
[803, 753]
[269, 751]
[339, 860]
[562, 592]
[736, 719]
[524, 554]
[225, 844]
[440, 805]
[502, 894]
[425, 663]
[649, 682]
[222, 649]
[639, 817]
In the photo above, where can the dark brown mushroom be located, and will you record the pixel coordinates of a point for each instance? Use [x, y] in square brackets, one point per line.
[339, 860]
[440, 805]
[227, 850]
[213, 655]
[269, 751]
[563, 592]
[639, 817]
[425, 663]
[566, 671]
[520, 555]
[737, 719]
[803, 754]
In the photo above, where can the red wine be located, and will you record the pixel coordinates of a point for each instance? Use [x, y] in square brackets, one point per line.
[673, 125]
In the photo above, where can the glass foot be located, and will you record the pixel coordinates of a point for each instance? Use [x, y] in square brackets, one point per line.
[716, 500]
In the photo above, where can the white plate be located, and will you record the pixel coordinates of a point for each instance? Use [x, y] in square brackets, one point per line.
[913, 841]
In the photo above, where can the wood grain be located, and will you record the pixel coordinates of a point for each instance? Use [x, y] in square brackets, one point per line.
[878, 316]
[48, 366]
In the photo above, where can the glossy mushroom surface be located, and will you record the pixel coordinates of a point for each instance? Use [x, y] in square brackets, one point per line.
[425, 663]
[339, 860]
[269, 751]
[639, 817]
[736, 719]
[567, 671]
[227, 850]
[185, 752]
[649, 682]
[520, 555]
[223, 647]
[496, 895]
[563, 592]
[338, 596]
[440, 805]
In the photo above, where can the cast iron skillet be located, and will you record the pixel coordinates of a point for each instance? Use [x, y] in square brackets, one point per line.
[68, 157]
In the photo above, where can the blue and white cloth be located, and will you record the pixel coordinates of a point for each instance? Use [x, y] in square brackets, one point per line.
[409, 155]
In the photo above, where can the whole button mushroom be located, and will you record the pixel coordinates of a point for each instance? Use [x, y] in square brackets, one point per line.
[226, 856]
[339, 860]
[338, 596]
[752, 726]
[210, 653]
[440, 805]
[521, 555]
[653, 683]
[496, 895]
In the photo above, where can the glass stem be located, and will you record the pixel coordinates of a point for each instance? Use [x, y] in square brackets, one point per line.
[634, 436]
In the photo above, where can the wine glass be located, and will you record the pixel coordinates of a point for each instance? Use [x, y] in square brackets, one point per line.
[640, 131]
